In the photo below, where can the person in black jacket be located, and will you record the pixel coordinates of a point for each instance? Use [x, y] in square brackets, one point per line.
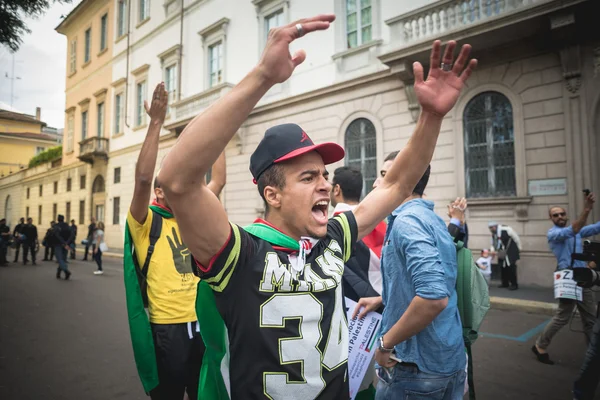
[63, 236]
[506, 245]
[73, 241]
[347, 184]
[49, 243]
[4, 239]
[91, 230]
[17, 237]
[30, 239]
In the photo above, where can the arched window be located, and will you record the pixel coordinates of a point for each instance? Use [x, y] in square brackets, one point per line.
[361, 150]
[98, 185]
[489, 146]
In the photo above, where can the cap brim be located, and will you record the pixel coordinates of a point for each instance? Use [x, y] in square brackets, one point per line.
[330, 152]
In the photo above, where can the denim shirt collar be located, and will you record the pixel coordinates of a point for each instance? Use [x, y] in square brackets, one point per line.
[412, 203]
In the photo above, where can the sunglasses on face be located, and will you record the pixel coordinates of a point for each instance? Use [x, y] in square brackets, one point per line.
[560, 214]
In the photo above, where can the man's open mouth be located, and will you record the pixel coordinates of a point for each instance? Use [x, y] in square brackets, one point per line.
[319, 211]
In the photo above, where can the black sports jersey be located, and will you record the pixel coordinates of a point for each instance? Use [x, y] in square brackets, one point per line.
[288, 331]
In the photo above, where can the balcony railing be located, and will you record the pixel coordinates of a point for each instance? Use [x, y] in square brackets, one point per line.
[445, 16]
[93, 147]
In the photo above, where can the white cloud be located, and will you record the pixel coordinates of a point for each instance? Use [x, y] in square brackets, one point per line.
[41, 65]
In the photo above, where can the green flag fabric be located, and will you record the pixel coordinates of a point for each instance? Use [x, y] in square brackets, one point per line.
[214, 375]
[139, 325]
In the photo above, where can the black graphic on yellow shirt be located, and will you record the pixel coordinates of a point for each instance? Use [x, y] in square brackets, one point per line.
[180, 254]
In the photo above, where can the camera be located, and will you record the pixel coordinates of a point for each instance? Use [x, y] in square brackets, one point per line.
[587, 277]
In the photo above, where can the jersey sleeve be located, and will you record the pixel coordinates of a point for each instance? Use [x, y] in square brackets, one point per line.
[139, 232]
[239, 247]
[343, 228]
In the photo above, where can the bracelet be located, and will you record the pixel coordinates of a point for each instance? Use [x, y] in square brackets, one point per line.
[382, 346]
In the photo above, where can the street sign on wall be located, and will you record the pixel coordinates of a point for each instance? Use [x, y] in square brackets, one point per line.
[547, 187]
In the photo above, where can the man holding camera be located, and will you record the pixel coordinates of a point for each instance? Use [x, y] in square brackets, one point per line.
[564, 241]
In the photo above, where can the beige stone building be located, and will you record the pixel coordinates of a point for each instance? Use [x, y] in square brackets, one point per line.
[74, 185]
[523, 136]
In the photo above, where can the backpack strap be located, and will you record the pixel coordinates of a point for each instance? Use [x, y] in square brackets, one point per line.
[154, 235]
[142, 273]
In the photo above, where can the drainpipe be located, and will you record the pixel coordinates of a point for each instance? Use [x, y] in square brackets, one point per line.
[179, 68]
[127, 61]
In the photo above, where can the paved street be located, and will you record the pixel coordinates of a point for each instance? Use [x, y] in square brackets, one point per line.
[69, 340]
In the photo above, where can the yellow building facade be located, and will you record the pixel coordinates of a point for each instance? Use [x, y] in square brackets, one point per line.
[74, 185]
[21, 138]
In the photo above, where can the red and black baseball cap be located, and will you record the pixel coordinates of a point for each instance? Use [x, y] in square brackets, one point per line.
[286, 141]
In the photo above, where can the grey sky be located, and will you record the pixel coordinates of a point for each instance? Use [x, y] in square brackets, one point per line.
[41, 65]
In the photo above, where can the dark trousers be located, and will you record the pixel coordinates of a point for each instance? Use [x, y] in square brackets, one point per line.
[18, 245]
[98, 259]
[61, 257]
[179, 359]
[48, 249]
[3, 252]
[588, 378]
[508, 273]
[87, 248]
[27, 248]
[73, 248]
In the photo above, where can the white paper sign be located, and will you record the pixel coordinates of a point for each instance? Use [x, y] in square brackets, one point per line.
[565, 287]
[362, 344]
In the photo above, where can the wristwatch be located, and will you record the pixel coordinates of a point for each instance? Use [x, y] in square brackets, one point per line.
[382, 348]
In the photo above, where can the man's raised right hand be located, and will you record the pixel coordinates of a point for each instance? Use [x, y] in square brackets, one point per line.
[158, 108]
[276, 63]
[590, 199]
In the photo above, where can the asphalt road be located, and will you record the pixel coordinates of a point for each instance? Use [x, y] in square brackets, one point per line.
[69, 340]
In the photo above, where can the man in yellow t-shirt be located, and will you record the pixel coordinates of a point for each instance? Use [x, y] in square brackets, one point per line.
[171, 285]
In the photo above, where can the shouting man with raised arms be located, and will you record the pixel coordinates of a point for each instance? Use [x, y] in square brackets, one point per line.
[277, 284]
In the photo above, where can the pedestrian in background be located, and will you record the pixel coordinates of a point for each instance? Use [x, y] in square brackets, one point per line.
[4, 239]
[49, 243]
[485, 264]
[17, 237]
[506, 244]
[88, 244]
[99, 246]
[564, 240]
[30, 240]
[62, 236]
[74, 241]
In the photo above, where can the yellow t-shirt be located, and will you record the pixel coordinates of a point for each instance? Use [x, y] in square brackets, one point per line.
[171, 282]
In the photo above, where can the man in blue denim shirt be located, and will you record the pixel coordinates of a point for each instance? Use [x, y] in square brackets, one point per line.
[421, 325]
[562, 240]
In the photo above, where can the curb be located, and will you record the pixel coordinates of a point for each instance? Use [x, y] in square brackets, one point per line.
[114, 255]
[529, 306]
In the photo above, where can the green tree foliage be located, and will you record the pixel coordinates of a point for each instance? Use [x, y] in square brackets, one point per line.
[12, 13]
